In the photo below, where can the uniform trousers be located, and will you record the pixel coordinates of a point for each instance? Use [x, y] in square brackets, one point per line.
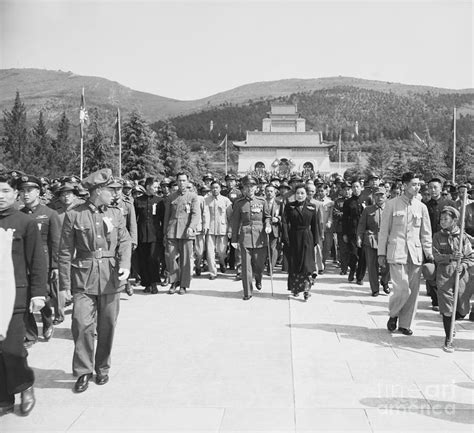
[199, 244]
[179, 253]
[253, 263]
[273, 242]
[343, 252]
[215, 245]
[15, 375]
[58, 300]
[46, 317]
[406, 285]
[356, 259]
[375, 271]
[148, 259]
[91, 313]
[327, 245]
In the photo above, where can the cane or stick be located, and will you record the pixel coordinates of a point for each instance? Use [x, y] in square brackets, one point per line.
[270, 265]
[458, 263]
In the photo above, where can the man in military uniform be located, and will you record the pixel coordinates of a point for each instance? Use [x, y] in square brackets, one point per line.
[125, 204]
[180, 225]
[148, 226]
[30, 274]
[250, 224]
[367, 236]
[94, 261]
[48, 222]
[232, 193]
[165, 193]
[342, 251]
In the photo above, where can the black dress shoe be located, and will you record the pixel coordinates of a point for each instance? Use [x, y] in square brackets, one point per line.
[375, 294]
[306, 295]
[405, 331]
[27, 401]
[101, 379]
[154, 289]
[48, 332]
[182, 291]
[246, 298]
[350, 278]
[4, 410]
[198, 272]
[29, 344]
[147, 289]
[129, 289]
[359, 283]
[57, 321]
[82, 383]
[386, 289]
[258, 285]
[165, 282]
[392, 324]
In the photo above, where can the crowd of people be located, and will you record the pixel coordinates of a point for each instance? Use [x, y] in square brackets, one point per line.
[85, 242]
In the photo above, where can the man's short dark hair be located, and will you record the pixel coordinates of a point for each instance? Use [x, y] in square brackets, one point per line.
[182, 173]
[409, 176]
[149, 181]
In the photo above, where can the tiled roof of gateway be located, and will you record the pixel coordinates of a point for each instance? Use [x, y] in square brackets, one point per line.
[282, 139]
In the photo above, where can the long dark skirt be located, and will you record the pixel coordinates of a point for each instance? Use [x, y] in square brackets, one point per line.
[298, 283]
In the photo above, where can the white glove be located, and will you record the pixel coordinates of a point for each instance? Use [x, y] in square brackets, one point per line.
[123, 274]
[268, 230]
[235, 245]
[36, 304]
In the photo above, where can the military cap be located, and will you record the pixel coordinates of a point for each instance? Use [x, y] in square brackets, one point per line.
[101, 178]
[372, 176]
[81, 191]
[28, 180]
[67, 186]
[127, 184]
[139, 188]
[230, 176]
[172, 183]
[451, 210]
[204, 188]
[45, 181]
[7, 177]
[248, 180]
[338, 179]
[318, 181]
[15, 174]
[380, 190]
[69, 179]
[296, 178]
[345, 184]
[208, 176]
[166, 181]
[284, 184]
[275, 179]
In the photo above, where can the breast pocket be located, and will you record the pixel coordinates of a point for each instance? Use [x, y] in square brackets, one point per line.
[398, 218]
[417, 220]
[83, 234]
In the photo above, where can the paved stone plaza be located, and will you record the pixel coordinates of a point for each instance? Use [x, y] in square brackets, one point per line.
[210, 362]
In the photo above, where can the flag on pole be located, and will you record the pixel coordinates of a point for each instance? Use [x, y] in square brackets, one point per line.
[223, 141]
[83, 116]
[211, 126]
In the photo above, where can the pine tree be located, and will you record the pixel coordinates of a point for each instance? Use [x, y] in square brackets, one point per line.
[380, 158]
[15, 141]
[65, 159]
[40, 152]
[139, 149]
[97, 150]
[173, 152]
[428, 160]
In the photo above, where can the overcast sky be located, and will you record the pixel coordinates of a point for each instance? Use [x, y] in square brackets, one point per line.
[189, 50]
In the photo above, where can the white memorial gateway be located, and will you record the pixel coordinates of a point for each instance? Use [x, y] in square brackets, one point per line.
[283, 145]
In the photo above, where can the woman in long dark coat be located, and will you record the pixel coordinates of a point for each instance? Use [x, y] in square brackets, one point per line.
[299, 237]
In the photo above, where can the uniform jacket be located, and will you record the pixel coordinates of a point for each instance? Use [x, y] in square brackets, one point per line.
[29, 262]
[200, 225]
[405, 229]
[148, 224]
[49, 226]
[249, 217]
[94, 245]
[351, 212]
[232, 194]
[125, 205]
[369, 225]
[217, 215]
[444, 245]
[181, 213]
[469, 218]
[337, 214]
[275, 209]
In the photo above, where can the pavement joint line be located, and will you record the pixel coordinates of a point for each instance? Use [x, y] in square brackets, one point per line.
[464, 371]
[423, 394]
[350, 371]
[222, 420]
[292, 364]
[77, 418]
[337, 335]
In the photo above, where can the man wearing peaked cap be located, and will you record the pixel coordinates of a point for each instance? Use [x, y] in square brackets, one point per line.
[49, 225]
[94, 262]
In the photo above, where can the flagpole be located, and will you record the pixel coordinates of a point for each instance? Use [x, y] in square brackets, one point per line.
[454, 145]
[226, 154]
[339, 150]
[120, 142]
[82, 149]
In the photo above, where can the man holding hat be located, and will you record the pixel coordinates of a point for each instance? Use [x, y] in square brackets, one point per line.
[367, 236]
[94, 261]
[48, 223]
[405, 234]
[249, 217]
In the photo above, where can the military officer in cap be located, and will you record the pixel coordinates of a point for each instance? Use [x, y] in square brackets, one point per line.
[94, 261]
[232, 193]
[250, 224]
[48, 222]
[180, 225]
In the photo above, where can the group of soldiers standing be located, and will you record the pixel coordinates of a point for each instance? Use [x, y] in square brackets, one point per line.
[86, 242]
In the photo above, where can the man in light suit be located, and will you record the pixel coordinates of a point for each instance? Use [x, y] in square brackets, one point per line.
[180, 224]
[405, 233]
[273, 209]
